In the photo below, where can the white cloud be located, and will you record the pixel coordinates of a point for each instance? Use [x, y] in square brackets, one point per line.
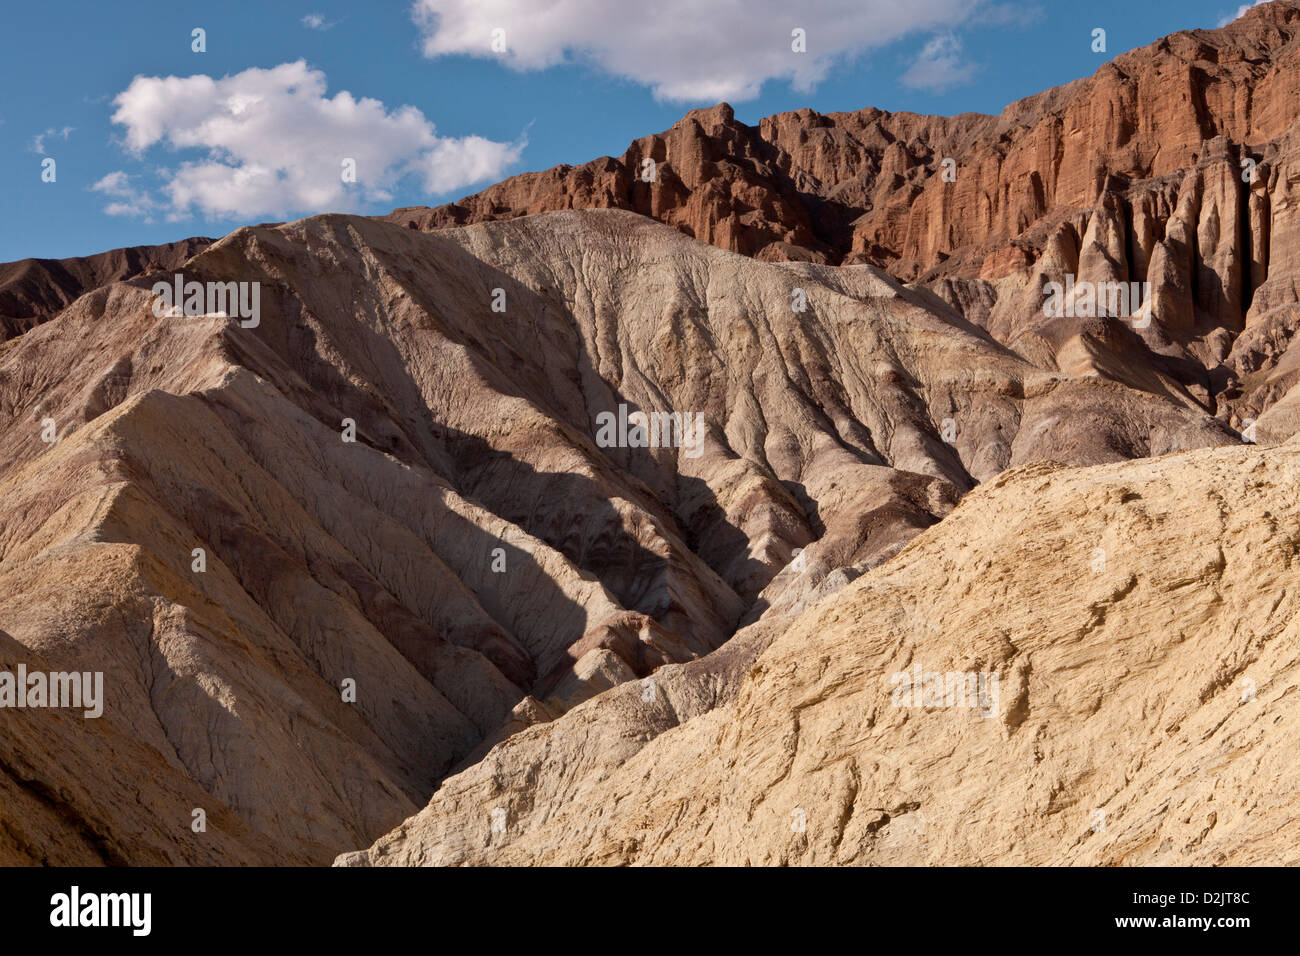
[939, 66]
[683, 49]
[454, 162]
[127, 199]
[1241, 12]
[38, 141]
[271, 143]
[316, 21]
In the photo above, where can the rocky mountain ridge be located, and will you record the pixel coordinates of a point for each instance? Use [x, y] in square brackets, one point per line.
[400, 536]
[1175, 165]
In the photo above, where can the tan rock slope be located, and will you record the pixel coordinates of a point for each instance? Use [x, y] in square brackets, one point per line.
[378, 544]
[373, 561]
[1140, 619]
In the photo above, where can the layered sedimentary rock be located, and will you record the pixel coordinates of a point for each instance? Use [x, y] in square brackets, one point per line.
[478, 559]
[590, 505]
[869, 185]
[1173, 166]
[1125, 661]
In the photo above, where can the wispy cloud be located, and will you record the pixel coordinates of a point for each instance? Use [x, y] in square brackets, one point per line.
[38, 141]
[939, 66]
[1241, 12]
[1011, 15]
[317, 21]
[127, 199]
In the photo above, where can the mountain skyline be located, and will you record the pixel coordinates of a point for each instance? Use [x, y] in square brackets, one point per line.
[152, 156]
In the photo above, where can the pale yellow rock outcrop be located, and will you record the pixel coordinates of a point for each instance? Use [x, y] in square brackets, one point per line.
[1141, 619]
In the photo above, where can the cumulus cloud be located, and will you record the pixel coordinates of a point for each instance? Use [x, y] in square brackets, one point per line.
[683, 49]
[939, 66]
[270, 142]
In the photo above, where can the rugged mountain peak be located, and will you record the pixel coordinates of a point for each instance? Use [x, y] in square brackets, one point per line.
[868, 186]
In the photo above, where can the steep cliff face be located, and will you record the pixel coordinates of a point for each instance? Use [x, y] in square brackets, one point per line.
[868, 186]
[1175, 165]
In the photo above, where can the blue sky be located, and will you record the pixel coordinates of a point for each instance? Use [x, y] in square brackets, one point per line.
[266, 136]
